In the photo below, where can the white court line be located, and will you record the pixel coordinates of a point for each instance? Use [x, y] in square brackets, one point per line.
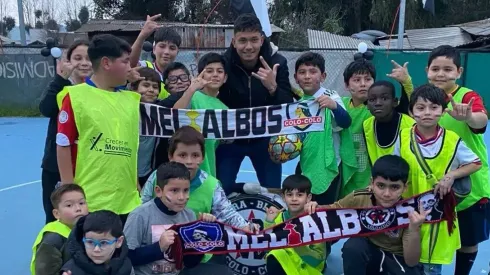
[36, 181]
[19, 185]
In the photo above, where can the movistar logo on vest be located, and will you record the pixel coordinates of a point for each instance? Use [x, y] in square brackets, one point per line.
[110, 146]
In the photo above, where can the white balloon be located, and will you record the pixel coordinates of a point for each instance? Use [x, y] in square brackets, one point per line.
[362, 47]
[56, 52]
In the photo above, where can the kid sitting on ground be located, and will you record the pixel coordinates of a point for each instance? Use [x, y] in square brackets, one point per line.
[394, 252]
[97, 246]
[147, 227]
[310, 259]
[49, 251]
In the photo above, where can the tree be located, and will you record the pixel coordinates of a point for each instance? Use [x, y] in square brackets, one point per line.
[72, 25]
[52, 25]
[83, 15]
[9, 23]
[39, 24]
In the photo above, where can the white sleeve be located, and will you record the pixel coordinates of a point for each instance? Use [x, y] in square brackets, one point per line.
[396, 146]
[336, 97]
[142, 63]
[464, 155]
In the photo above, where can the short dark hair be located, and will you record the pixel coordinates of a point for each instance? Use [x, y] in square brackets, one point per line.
[391, 167]
[310, 59]
[445, 51]
[384, 83]
[149, 75]
[188, 136]
[430, 93]
[63, 189]
[296, 182]
[106, 45]
[247, 22]
[75, 45]
[103, 221]
[166, 34]
[209, 58]
[172, 170]
[361, 66]
[173, 67]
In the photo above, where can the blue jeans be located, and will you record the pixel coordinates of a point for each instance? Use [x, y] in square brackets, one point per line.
[229, 158]
[432, 269]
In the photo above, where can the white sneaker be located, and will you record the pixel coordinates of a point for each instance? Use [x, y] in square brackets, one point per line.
[254, 189]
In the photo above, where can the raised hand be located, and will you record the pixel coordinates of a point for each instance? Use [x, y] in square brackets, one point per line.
[460, 111]
[150, 25]
[267, 75]
[198, 83]
[64, 68]
[134, 75]
[399, 73]
[417, 218]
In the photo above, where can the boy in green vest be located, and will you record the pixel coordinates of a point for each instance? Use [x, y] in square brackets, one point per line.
[382, 129]
[48, 252]
[468, 118]
[437, 157]
[202, 94]
[395, 252]
[296, 192]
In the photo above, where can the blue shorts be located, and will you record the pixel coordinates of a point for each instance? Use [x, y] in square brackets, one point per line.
[474, 223]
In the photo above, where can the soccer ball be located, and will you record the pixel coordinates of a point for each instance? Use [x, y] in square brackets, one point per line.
[284, 148]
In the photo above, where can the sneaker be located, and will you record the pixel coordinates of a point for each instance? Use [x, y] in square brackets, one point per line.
[254, 189]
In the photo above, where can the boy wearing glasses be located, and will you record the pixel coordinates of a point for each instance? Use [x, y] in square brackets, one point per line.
[177, 78]
[97, 246]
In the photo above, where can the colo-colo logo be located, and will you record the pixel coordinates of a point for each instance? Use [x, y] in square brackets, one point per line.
[253, 209]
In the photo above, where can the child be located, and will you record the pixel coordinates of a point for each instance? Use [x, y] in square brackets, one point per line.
[468, 118]
[327, 157]
[146, 229]
[296, 192]
[394, 252]
[166, 43]
[381, 130]
[97, 246]
[177, 78]
[186, 146]
[202, 94]
[447, 159]
[48, 251]
[98, 149]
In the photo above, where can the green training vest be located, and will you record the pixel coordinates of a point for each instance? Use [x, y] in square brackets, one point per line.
[480, 186]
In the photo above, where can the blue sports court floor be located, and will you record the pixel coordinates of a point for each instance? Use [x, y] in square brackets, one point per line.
[21, 211]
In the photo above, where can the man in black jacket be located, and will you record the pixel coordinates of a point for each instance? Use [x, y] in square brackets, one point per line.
[256, 77]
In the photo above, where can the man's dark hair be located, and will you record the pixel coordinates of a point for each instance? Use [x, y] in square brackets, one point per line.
[430, 93]
[165, 34]
[209, 58]
[384, 83]
[188, 136]
[173, 67]
[63, 189]
[391, 167]
[149, 75]
[103, 221]
[296, 182]
[359, 67]
[311, 59]
[445, 51]
[172, 170]
[247, 22]
[75, 45]
[106, 45]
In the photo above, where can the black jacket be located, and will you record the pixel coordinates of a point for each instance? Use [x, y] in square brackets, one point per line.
[49, 108]
[242, 90]
[80, 264]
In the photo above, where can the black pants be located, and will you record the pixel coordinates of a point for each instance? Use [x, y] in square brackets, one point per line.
[48, 181]
[361, 257]
[333, 192]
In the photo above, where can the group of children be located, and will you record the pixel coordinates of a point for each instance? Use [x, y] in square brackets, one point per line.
[375, 149]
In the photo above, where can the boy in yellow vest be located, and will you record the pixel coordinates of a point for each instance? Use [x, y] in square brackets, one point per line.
[382, 129]
[48, 252]
[310, 260]
[395, 252]
[437, 157]
[468, 118]
[98, 131]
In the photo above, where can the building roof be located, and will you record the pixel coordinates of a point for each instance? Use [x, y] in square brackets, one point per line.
[478, 28]
[429, 38]
[326, 40]
[103, 25]
[7, 41]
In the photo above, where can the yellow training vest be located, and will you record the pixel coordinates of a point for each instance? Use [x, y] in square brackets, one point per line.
[375, 151]
[437, 246]
[53, 227]
[108, 127]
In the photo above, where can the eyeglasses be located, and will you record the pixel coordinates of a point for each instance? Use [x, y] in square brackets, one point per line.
[102, 244]
[174, 78]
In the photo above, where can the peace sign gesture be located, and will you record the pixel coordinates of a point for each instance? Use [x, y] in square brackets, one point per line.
[267, 76]
[199, 82]
[460, 111]
[150, 25]
[399, 73]
[417, 218]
